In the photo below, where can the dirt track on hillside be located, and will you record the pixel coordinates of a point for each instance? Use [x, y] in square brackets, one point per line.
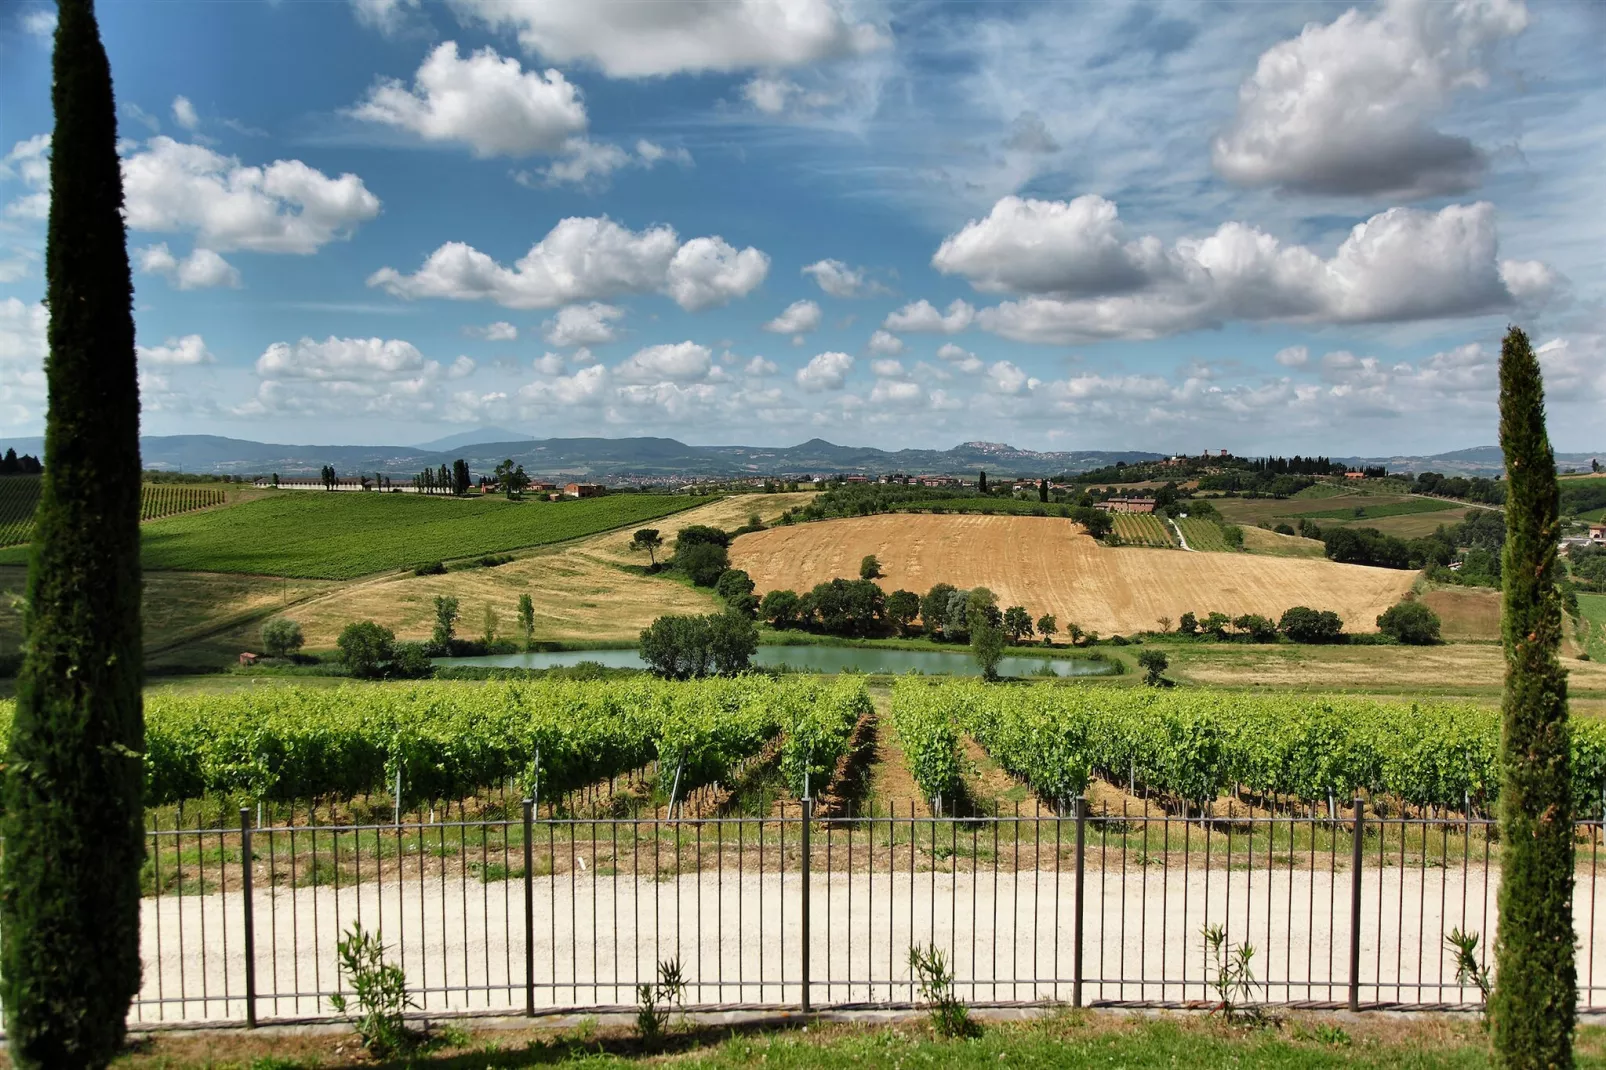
[1047, 565]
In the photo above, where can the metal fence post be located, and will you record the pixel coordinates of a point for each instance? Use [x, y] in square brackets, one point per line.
[1355, 905]
[808, 816]
[250, 921]
[529, 910]
[1076, 944]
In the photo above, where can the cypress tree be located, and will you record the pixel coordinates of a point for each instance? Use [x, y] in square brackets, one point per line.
[73, 825]
[1533, 1007]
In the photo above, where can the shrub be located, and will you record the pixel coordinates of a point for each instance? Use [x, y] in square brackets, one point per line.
[282, 638]
[410, 661]
[1301, 624]
[780, 608]
[1154, 664]
[434, 568]
[365, 647]
[1259, 629]
[869, 568]
[699, 535]
[733, 584]
[684, 648]
[1410, 622]
[379, 1001]
[703, 562]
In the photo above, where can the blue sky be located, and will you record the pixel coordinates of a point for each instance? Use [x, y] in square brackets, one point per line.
[1292, 227]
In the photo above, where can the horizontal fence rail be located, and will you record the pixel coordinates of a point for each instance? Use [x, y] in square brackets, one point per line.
[511, 912]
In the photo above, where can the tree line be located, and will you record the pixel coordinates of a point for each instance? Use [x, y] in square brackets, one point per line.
[25, 465]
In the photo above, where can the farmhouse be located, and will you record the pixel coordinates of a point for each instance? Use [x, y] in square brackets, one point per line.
[1597, 534]
[1126, 505]
[583, 490]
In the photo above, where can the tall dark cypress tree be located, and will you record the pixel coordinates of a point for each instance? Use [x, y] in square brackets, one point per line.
[69, 882]
[1533, 1005]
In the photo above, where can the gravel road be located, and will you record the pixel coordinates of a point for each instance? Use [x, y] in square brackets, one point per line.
[1008, 937]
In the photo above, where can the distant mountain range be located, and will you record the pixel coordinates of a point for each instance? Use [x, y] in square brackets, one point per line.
[625, 459]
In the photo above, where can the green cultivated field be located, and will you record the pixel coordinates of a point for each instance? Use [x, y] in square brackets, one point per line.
[342, 536]
[1394, 508]
[1139, 529]
[1204, 535]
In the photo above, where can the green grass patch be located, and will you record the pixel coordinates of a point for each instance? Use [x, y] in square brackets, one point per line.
[342, 536]
[1397, 508]
[1071, 1039]
[1592, 625]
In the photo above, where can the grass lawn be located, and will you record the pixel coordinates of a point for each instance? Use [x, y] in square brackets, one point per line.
[1592, 611]
[1403, 507]
[1067, 1040]
[342, 536]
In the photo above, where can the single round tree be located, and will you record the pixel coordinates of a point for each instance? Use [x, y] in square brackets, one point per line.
[1410, 622]
[1533, 1006]
[365, 647]
[281, 638]
[869, 568]
[73, 804]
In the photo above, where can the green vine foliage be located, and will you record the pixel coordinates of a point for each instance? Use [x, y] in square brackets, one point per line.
[1193, 744]
[448, 739]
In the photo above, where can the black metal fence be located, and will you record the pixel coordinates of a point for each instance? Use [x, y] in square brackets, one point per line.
[512, 913]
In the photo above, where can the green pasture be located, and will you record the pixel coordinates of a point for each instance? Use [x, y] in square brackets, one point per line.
[342, 536]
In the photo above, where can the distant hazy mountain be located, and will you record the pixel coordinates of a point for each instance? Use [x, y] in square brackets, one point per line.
[621, 459]
[471, 438]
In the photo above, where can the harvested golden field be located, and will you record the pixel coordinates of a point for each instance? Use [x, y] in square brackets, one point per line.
[1047, 565]
[178, 606]
[1474, 669]
[1261, 541]
[580, 590]
[1466, 612]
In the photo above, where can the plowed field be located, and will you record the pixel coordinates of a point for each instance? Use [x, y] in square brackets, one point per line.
[1047, 565]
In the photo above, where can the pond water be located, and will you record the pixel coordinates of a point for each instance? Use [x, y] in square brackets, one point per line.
[828, 659]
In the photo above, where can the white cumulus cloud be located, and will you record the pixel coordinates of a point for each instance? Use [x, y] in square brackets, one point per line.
[485, 101]
[189, 350]
[921, 315]
[202, 269]
[1086, 279]
[1348, 107]
[587, 258]
[800, 317]
[500, 331]
[286, 207]
[680, 362]
[184, 113]
[342, 359]
[583, 325]
[827, 371]
[886, 343]
[626, 39]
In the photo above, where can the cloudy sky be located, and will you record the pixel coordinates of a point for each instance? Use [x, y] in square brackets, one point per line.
[1150, 225]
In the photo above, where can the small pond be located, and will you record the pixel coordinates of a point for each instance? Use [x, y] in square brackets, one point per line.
[826, 659]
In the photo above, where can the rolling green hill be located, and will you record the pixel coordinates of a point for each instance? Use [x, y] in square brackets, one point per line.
[341, 536]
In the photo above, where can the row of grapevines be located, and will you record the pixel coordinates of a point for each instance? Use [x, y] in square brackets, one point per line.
[449, 739]
[929, 738]
[1195, 744]
[157, 500]
[816, 727]
[19, 496]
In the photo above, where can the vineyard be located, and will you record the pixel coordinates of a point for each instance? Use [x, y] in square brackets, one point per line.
[19, 496]
[157, 500]
[448, 740]
[1204, 535]
[1193, 746]
[1143, 530]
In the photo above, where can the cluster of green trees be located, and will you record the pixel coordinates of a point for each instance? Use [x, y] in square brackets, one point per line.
[511, 478]
[1474, 489]
[691, 647]
[13, 465]
[1299, 624]
[443, 480]
[1588, 567]
[1255, 484]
